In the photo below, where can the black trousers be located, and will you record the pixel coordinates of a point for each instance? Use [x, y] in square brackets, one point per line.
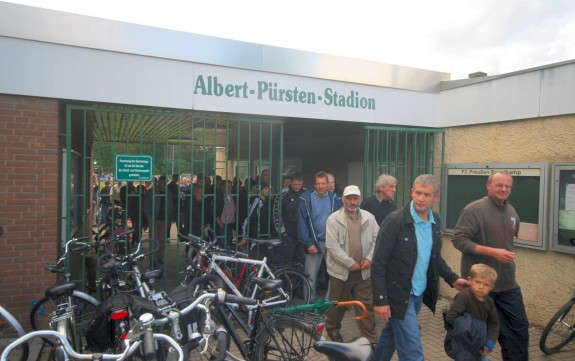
[513, 324]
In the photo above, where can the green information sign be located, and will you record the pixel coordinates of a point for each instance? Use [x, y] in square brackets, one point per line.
[133, 168]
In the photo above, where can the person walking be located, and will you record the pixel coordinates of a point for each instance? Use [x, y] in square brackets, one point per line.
[484, 234]
[406, 265]
[471, 322]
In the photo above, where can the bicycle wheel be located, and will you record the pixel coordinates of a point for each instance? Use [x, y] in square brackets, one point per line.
[560, 330]
[287, 339]
[300, 286]
[11, 330]
[46, 312]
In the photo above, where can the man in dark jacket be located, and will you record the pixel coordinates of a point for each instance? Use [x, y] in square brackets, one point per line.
[381, 203]
[290, 206]
[406, 264]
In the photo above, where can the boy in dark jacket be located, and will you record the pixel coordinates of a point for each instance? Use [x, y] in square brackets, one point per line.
[465, 339]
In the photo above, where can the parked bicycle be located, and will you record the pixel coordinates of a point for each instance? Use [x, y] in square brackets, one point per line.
[560, 329]
[280, 333]
[139, 343]
[10, 330]
[204, 257]
[190, 325]
[64, 308]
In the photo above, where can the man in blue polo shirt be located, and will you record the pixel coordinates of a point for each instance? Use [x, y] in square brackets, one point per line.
[405, 268]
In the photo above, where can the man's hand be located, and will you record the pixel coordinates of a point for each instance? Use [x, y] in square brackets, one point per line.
[382, 312]
[460, 284]
[365, 264]
[355, 267]
[503, 255]
[312, 249]
[500, 254]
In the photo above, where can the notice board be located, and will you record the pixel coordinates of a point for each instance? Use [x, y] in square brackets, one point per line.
[465, 183]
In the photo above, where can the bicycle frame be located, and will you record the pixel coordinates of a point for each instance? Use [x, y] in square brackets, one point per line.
[261, 268]
[237, 280]
[252, 332]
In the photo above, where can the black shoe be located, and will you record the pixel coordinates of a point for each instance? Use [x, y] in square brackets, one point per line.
[335, 336]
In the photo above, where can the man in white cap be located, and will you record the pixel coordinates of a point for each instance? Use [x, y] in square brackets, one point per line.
[350, 241]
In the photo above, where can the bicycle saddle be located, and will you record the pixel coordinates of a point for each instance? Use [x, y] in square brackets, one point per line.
[268, 284]
[152, 276]
[60, 290]
[358, 349]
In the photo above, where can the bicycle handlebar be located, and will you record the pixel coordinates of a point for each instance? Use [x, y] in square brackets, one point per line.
[121, 260]
[202, 245]
[56, 267]
[220, 296]
[132, 345]
[119, 236]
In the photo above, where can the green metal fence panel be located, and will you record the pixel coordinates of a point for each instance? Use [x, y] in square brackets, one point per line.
[403, 153]
[204, 150]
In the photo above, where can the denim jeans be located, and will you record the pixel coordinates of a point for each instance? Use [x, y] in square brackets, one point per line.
[312, 265]
[402, 335]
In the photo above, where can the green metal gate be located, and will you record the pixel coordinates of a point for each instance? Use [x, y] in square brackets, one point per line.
[197, 146]
[403, 153]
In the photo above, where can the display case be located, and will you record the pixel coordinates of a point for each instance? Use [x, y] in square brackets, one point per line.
[563, 206]
[465, 183]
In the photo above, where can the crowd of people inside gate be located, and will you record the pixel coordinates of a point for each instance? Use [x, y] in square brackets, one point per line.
[355, 247]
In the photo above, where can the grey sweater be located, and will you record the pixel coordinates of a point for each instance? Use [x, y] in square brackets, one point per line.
[486, 223]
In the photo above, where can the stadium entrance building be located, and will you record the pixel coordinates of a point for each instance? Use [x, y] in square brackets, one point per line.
[84, 100]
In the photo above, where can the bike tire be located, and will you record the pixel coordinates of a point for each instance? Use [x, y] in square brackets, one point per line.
[11, 330]
[300, 285]
[287, 339]
[560, 330]
[85, 307]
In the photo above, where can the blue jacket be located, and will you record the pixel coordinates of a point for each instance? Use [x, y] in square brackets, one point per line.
[465, 338]
[306, 232]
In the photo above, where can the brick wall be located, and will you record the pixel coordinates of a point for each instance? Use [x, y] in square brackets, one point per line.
[29, 176]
